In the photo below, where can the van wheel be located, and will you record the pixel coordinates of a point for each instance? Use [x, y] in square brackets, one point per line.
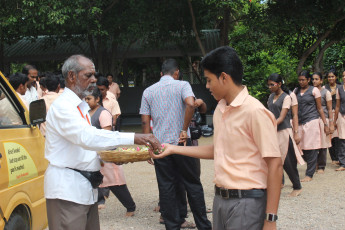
[16, 222]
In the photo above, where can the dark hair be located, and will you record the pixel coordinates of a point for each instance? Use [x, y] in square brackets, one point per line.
[52, 81]
[304, 73]
[169, 66]
[43, 82]
[18, 79]
[96, 93]
[277, 78]
[26, 69]
[102, 81]
[318, 74]
[109, 74]
[224, 59]
[61, 81]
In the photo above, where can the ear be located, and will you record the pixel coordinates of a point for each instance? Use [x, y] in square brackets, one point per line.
[71, 77]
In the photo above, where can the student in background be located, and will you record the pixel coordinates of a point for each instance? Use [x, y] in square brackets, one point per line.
[52, 82]
[326, 103]
[279, 103]
[309, 113]
[332, 87]
[114, 178]
[19, 84]
[339, 119]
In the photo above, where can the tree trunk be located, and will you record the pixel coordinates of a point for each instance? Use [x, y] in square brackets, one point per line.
[310, 50]
[92, 47]
[318, 67]
[224, 29]
[195, 30]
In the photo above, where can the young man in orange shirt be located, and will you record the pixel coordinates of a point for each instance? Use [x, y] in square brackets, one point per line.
[247, 159]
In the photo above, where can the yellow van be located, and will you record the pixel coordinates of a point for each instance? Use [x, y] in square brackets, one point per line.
[22, 162]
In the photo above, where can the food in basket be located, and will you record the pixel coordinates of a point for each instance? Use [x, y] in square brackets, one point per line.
[126, 154]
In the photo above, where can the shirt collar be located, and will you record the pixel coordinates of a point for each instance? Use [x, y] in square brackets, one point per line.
[72, 97]
[166, 78]
[238, 101]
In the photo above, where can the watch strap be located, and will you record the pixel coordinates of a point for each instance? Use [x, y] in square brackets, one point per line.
[270, 217]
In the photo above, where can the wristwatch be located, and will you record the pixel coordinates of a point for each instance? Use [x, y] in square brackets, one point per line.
[270, 217]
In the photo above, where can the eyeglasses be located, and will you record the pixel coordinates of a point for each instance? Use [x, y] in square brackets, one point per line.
[272, 85]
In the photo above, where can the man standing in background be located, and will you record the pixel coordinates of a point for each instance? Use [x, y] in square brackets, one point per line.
[31, 92]
[170, 103]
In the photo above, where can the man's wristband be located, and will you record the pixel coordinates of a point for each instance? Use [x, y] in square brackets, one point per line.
[270, 217]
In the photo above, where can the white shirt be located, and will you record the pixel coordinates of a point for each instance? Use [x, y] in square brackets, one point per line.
[31, 95]
[71, 142]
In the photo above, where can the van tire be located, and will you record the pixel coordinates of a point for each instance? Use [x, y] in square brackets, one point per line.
[16, 222]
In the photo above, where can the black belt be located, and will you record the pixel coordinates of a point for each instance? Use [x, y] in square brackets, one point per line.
[236, 193]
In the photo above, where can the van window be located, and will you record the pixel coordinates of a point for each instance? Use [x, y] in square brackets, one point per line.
[9, 115]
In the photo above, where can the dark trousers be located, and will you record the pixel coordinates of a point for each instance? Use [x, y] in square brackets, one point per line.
[322, 159]
[122, 194]
[310, 156]
[341, 153]
[334, 150]
[290, 167]
[170, 171]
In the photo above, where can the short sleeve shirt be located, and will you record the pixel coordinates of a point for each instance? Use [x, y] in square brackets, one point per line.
[245, 132]
[164, 102]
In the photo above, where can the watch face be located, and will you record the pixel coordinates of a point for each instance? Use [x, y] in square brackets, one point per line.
[271, 217]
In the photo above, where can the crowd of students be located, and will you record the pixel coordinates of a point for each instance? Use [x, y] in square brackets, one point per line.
[310, 120]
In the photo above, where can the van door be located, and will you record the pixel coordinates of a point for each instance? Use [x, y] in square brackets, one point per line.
[22, 162]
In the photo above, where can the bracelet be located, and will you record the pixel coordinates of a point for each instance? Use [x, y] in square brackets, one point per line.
[183, 131]
[326, 124]
[330, 120]
[295, 131]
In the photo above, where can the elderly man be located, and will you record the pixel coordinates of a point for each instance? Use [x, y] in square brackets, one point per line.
[71, 143]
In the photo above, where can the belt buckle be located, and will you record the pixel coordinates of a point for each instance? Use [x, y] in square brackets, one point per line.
[224, 193]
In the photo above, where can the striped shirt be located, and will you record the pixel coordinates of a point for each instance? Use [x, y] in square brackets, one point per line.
[164, 102]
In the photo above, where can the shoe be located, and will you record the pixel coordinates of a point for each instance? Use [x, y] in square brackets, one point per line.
[188, 225]
[341, 168]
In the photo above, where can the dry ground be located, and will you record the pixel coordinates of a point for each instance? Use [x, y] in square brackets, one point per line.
[320, 206]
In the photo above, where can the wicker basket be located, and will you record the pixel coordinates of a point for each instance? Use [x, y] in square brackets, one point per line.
[125, 154]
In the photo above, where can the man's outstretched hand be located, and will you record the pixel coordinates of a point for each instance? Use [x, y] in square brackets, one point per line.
[149, 140]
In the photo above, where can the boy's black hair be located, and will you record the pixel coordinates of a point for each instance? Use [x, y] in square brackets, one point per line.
[169, 66]
[224, 59]
[18, 79]
[52, 81]
[102, 81]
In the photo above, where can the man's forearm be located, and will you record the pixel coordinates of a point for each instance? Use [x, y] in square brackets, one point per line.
[188, 116]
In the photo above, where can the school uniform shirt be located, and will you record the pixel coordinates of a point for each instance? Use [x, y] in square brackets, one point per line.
[325, 97]
[71, 142]
[341, 117]
[310, 131]
[114, 88]
[49, 98]
[245, 132]
[285, 134]
[31, 95]
[110, 103]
